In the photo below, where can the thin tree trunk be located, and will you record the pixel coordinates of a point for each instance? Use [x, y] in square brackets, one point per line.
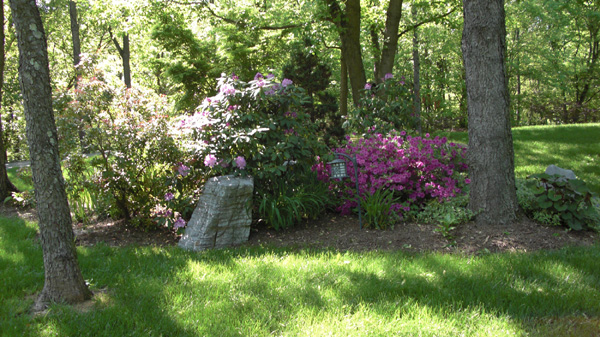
[343, 87]
[124, 52]
[348, 25]
[63, 280]
[6, 185]
[416, 72]
[390, 38]
[126, 56]
[491, 156]
[75, 36]
[76, 60]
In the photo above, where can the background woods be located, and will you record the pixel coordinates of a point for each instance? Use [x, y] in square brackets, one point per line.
[179, 48]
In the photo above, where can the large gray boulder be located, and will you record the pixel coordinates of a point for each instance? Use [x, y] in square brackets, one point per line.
[223, 215]
[567, 174]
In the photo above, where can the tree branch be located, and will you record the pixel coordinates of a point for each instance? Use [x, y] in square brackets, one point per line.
[114, 39]
[234, 22]
[435, 18]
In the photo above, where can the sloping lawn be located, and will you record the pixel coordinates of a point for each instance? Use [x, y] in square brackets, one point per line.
[575, 147]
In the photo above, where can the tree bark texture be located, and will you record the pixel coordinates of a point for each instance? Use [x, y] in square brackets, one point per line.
[490, 153]
[63, 280]
[390, 37]
[348, 25]
[75, 33]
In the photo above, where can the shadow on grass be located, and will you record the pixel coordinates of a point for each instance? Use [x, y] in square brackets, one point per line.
[260, 291]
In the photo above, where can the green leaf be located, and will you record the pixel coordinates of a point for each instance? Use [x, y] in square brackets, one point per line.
[553, 195]
[566, 216]
[561, 207]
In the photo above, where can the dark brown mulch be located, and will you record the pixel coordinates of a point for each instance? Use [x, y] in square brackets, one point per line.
[343, 233]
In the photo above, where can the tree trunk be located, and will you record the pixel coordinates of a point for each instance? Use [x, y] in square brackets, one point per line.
[75, 36]
[63, 280]
[390, 38]
[5, 185]
[76, 60]
[416, 72]
[491, 156]
[343, 87]
[348, 25]
[125, 54]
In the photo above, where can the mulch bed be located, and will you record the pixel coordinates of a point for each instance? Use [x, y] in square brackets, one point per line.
[343, 233]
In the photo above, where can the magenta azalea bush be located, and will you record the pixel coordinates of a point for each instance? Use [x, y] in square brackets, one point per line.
[416, 169]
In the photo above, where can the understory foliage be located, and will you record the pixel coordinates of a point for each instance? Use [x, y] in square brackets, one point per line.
[414, 169]
[383, 108]
[260, 128]
[556, 200]
[128, 129]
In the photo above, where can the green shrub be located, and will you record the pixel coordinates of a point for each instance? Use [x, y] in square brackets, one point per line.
[378, 209]
[291, 201]
[129, 128]
[567, 200]
[382, 108]
[261, 126]
[447, 214]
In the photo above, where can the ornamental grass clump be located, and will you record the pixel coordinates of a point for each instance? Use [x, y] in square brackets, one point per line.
[416, 169]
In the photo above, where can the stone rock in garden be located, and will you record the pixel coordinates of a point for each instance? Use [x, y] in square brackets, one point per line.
[223, 215]
[567, 174]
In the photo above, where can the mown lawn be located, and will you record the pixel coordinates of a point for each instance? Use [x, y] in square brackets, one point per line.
[575, 147]
[148, 291]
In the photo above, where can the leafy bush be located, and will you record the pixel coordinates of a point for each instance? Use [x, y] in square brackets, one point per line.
[447, 214]
[382, 108]
[129, 128]
[262, 126]
[416, 169]
[567, 200]
[378, 209]
[288, 204]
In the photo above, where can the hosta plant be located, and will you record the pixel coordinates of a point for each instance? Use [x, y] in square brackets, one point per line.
[569, 199]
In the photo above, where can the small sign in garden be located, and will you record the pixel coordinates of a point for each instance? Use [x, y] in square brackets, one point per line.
[223, 215]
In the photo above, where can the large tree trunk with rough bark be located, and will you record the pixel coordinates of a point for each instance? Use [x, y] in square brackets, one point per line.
[63, 280]
[491, 156]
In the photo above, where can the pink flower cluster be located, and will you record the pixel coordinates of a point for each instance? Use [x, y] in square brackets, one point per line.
[416, 168]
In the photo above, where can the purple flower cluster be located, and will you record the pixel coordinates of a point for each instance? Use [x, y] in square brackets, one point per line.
[227, 89]
[415, 168]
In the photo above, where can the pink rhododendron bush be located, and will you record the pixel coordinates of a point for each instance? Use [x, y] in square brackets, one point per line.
[416, 169]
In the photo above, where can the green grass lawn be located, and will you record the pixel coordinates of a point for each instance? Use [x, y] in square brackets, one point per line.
[574, 147]
[16, 179]
[261, 291]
